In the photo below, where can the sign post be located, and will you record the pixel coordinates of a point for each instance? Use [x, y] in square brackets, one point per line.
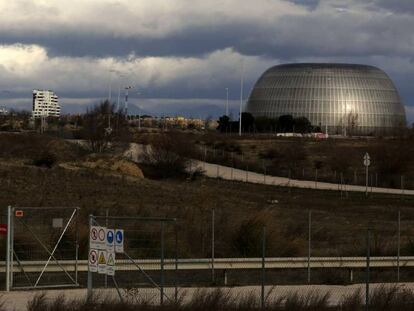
[367, 163]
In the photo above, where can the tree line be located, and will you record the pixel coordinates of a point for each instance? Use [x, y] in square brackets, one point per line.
[282, 124]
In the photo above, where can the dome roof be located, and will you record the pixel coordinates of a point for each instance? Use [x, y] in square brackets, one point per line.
[337, 97]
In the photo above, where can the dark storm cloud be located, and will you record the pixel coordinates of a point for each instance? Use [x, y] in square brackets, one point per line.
[312, 4]
[316, 33]
[397, 6]
[343, 30]
[194, 42]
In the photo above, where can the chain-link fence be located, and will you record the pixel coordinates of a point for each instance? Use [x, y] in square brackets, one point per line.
[268, 252]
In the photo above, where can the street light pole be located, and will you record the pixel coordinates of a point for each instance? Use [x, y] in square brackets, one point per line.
[227, 101]
[241, 97]
[110, 85]
[119, 97]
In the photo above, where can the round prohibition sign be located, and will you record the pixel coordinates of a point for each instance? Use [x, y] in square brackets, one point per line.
[101, 234]
[93, 257]
[94, 234]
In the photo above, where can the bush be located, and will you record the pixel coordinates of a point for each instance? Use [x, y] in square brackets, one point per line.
[45, 159]
[169, 155]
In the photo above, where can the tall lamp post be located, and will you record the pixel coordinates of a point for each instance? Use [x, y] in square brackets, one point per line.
[227, 101]
[139, 114]
[110, 84]
[241, 97]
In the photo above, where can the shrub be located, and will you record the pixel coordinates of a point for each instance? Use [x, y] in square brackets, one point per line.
[168, 155]
[45, 159]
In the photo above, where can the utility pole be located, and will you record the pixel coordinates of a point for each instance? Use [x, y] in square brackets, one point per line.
[119, 97]
[241, 97]
[227, 101]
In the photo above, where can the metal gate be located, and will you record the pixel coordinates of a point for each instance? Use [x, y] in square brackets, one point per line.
[42, 248]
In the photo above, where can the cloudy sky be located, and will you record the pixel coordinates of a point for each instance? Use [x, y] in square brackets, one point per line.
[180, 55]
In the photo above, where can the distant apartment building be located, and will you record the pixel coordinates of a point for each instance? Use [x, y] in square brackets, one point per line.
[45, 103]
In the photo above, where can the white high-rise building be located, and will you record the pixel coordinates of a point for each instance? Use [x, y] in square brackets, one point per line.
[45, 103]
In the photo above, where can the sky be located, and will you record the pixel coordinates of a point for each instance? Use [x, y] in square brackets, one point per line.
[181, 55]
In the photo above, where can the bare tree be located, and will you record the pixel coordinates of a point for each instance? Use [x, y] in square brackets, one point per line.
[104, 129]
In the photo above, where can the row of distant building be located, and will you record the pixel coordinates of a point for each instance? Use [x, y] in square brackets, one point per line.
[45, 104]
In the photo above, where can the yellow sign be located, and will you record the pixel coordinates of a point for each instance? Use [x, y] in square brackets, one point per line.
[101, 260]
[111, 261]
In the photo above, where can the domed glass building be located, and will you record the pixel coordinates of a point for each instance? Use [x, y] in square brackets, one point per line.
[340, 98]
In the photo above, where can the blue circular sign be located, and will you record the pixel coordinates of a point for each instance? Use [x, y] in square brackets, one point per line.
[119, 237]
[110, 237]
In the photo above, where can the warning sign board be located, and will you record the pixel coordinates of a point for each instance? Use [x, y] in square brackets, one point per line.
[110, 240]
[119, 241]
[102, 257]
[97, 238]
[93, 260]
[110, 263]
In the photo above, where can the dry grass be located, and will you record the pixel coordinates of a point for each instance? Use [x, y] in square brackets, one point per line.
[381, 299]
[338, 224]
[299, 157]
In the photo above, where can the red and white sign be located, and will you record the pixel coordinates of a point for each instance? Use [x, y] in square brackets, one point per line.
[18, 213]
[3, 229]
[97, 238]
[93, 260]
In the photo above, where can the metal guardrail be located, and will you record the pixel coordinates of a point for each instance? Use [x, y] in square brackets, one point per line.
[223, 263]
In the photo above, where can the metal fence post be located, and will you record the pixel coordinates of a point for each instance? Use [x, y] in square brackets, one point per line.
[367, 271]
[89, 292]
[162, 265]
[309, 244]
[176, 265]
[262, 298]
[8, 248]
[398, 246]
[213, 219]
[106, 225]
[11, 256]
[77, 246]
